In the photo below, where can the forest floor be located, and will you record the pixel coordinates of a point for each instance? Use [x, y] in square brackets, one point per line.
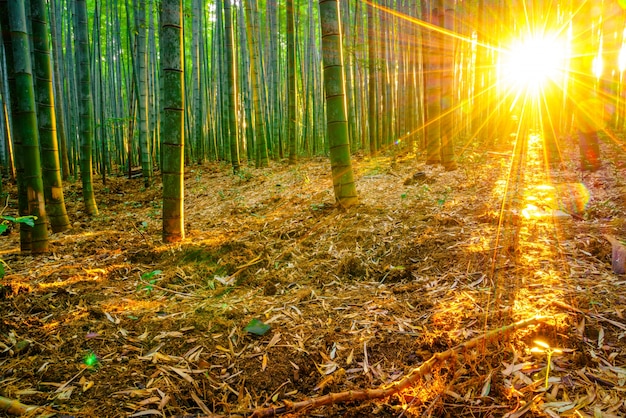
[277, 296]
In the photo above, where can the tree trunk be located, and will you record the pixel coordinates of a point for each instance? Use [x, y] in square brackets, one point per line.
[432, 84]
[373, 109]
[232, 86]
[59, 105]
[142, 83]
[447, 85]
[26, 135]
[336, 112]
[172, 120]
[291, 82]
[53, 186]
[261, 157]
[85, 105]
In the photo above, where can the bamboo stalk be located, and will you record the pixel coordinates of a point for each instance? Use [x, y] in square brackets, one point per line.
[13, 407]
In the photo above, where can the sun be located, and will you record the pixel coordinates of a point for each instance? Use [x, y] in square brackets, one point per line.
[530, 63]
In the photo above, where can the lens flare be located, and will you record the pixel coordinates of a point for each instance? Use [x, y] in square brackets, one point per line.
[528, 64]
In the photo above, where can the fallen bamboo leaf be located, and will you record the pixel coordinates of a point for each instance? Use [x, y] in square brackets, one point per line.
[150, 400]
[601, 338]
[256, 327]
[486, 387]
[512, 368]
[168, 334]
[200, 404]
[112, 318]
[275, 339]
[164, 401]
[135, 392]
[85, 384]
[350, 357]
[66, 393]
[147, 412]
[183, 374]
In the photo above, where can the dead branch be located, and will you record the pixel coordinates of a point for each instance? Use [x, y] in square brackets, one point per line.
[410, 379]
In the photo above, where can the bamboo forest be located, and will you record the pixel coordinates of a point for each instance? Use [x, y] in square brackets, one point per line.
[313, 208]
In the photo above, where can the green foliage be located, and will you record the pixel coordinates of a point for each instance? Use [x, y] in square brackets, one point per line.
[198, 174]
[257, 327]
[148, 281]
[28, 220]
[135, 205]
[318, 206]
[243, 174]
[4, 225]
[444, 197]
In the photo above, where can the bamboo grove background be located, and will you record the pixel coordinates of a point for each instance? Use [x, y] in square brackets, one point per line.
[419, 76]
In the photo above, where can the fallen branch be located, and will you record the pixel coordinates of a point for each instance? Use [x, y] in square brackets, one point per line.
[13, 407]
[410, 379]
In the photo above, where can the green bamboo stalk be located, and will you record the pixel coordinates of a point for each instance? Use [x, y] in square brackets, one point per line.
[171, 44]
[336, 115]
[85, 105]
[50, 165]
[60, 106]
[373, 108]
[142, 83]
[232, 87]
[291, 83]
[259, 127]
[26, 134]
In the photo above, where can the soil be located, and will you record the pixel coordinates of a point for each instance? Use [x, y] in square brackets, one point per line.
[114, 323]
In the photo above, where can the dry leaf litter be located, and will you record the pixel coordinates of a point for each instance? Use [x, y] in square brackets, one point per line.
[112, 323]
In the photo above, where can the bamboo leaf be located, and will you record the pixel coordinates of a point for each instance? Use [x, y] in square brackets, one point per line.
[257, 327]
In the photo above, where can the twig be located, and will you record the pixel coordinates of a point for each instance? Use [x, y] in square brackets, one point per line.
[410, 379]
[245, 266]
[64, 385]
[140, 233]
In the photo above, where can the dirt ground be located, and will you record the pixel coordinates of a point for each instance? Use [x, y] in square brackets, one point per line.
[277, 296]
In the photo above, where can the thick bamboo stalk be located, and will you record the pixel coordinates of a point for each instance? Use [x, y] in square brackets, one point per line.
[13, 407]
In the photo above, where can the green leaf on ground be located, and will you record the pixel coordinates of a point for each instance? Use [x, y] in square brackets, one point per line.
[257, 327]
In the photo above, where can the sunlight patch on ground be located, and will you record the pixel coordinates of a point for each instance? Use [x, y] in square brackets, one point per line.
[538, 241]
[132, 305]
[85, 276]
[527, 236]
